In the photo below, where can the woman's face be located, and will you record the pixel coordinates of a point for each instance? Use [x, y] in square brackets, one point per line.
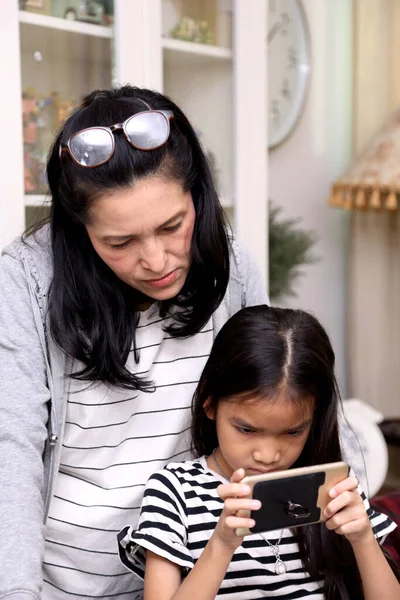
[144, 234]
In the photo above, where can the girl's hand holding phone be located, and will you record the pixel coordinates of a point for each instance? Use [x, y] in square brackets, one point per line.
[234, 496]
[346, 514]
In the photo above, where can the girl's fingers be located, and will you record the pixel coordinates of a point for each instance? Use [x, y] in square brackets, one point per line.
[235, 522]
[237, 475]
[349, 528]
[340, 502]
[347, 485]
[229, 490]
[232, 505]
[346, 516]
[235, 488]
[352, 528]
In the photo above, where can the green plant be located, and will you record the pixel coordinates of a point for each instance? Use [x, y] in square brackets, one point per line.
[289, 248]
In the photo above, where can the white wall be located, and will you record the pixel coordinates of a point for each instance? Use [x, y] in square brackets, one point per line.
[302, 169]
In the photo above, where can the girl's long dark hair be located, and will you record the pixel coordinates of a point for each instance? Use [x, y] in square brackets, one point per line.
[93, 315]
[259, 350]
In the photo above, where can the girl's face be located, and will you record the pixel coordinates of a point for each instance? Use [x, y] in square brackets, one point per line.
[261, 435]
[144, 234]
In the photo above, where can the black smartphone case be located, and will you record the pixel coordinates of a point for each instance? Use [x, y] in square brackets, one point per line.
[287, 502]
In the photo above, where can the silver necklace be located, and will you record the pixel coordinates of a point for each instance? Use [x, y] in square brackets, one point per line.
[280, 567]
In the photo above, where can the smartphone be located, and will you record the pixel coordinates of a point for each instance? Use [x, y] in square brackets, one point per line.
[291, 498]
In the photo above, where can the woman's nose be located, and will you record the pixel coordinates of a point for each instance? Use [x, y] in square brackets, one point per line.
[153, 256]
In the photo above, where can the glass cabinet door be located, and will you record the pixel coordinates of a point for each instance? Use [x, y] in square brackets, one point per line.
[198, 75]
[66, 52]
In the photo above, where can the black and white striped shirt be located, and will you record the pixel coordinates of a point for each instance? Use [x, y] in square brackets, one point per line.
[114, 440]
[179, 512]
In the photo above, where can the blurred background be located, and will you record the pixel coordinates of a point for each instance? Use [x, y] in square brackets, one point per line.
[295, 104]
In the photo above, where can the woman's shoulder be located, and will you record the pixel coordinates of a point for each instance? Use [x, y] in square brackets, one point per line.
[241, 259]
[246, 283]
[37, 243]
[34, 252]
[236, 251]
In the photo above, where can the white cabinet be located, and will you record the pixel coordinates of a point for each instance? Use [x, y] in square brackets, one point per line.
[60, 60]
[219, 80]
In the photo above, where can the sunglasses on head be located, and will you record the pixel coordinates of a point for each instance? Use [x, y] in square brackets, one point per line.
[94, 146]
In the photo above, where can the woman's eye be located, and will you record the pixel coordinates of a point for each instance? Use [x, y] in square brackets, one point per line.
[119, 246]
[172, 228]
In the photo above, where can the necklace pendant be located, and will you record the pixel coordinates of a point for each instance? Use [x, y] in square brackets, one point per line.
[280, 567]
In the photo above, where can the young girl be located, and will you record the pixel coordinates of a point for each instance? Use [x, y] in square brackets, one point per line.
[267, 400]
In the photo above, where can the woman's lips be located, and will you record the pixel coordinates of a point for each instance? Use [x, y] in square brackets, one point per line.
[163, 281]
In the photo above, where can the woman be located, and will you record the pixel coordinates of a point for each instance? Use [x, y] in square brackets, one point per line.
[107, 317]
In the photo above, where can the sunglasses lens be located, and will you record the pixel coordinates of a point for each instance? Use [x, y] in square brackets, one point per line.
[147, 130]
[91, 147]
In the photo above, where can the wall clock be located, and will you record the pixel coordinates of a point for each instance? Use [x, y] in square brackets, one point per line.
[288, 67]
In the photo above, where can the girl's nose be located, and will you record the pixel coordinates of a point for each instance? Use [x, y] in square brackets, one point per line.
[267, 455]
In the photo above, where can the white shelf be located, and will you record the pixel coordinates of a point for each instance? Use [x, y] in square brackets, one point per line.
[37, 200]
[64, 24]
[179, 51]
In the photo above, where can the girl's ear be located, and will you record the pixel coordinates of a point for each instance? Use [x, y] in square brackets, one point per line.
[209, 410]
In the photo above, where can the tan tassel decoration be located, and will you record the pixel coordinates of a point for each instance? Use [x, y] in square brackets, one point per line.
[348, 199]
[360, 201]
[336, 198]
[332, 199]
[375, 201]
[391, 201]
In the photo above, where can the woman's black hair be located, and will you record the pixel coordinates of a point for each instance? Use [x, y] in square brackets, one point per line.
[260, 351]
[93, 314]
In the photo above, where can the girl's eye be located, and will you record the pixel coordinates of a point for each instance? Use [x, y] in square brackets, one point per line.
[295, 433]
[244, 430]
[172, 228]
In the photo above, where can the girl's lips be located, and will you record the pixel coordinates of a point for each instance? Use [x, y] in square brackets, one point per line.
[261, 472]
[164, 281]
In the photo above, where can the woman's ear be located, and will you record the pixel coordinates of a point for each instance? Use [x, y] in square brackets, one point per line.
[209, 410]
